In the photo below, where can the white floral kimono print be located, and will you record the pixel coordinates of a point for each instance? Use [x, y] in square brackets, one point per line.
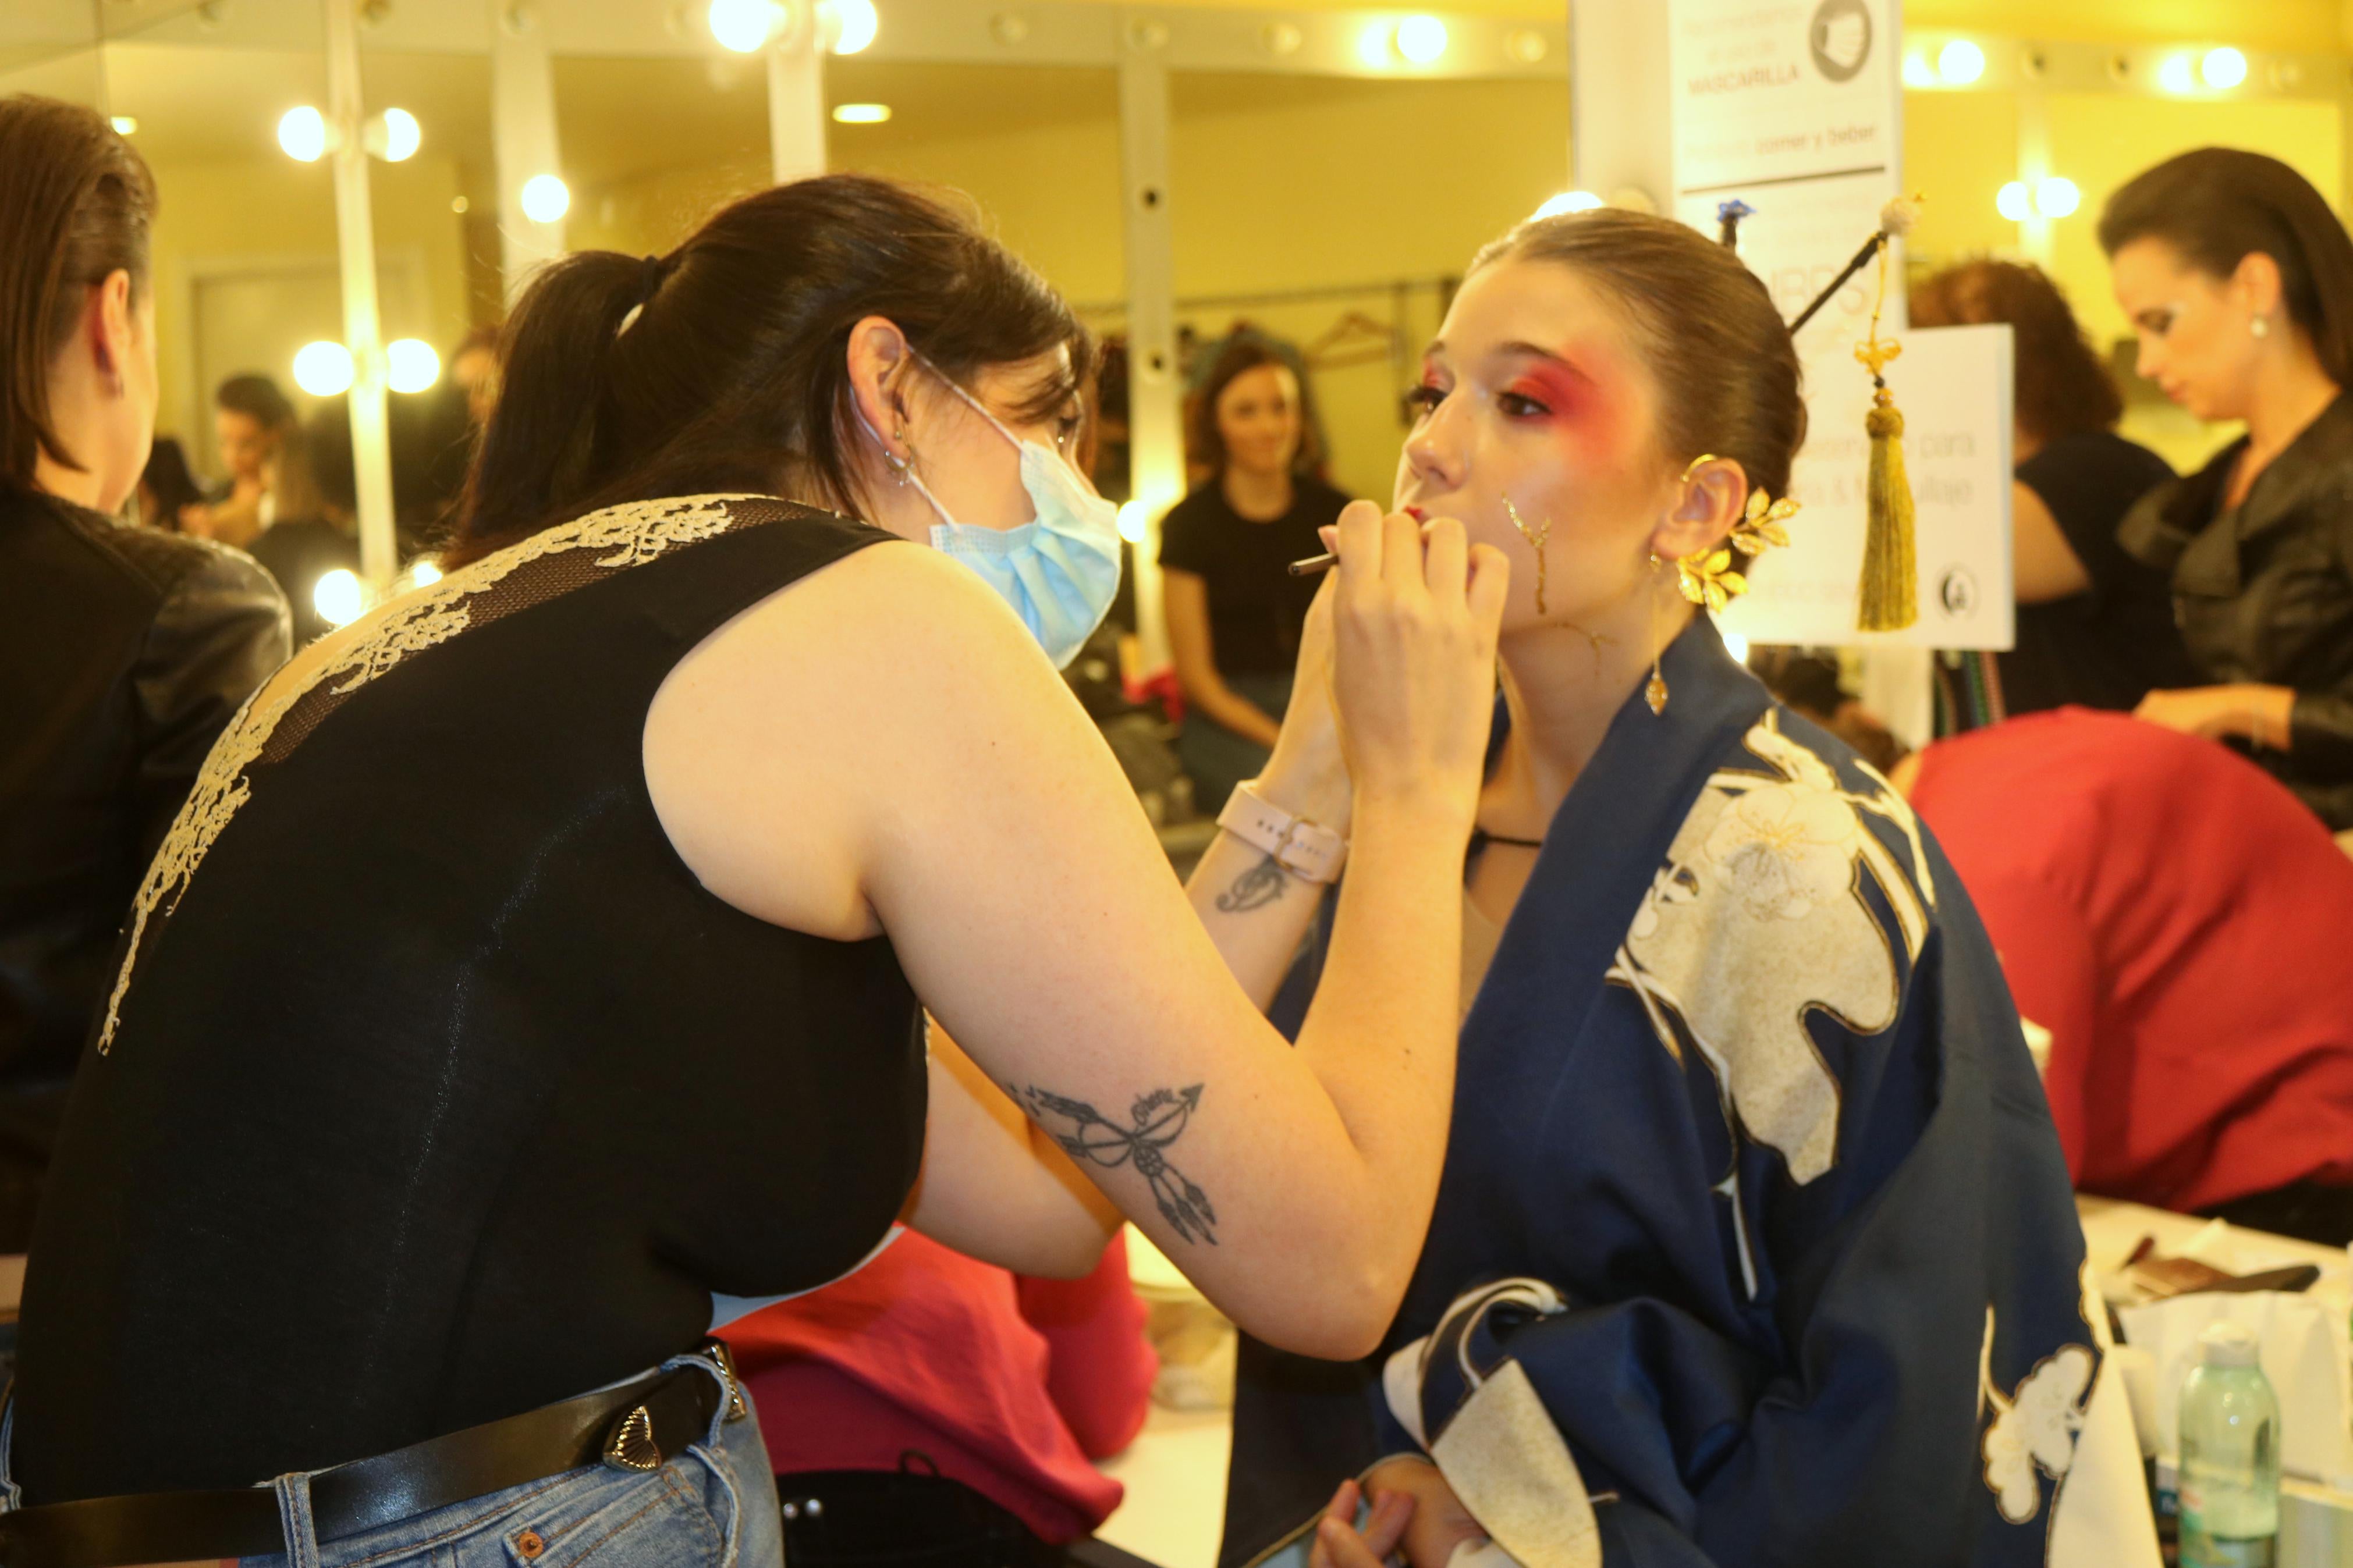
[1754, 1244]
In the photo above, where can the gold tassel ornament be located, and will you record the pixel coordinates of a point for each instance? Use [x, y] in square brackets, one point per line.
[1888, 599]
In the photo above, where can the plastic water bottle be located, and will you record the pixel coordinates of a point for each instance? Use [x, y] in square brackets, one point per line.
[2229, 1456]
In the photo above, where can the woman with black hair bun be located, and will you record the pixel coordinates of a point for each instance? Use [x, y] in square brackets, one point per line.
[539, 974]
[2238, 279]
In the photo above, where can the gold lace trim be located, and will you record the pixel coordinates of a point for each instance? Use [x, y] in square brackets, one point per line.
[630, 536]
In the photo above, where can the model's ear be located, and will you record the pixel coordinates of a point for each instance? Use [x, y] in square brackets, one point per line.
[111, 328]
[1706, 502]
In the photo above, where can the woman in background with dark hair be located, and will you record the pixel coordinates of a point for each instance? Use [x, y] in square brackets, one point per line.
[254, 424]
[1234, 613]
[539, 974]
[2239, 279]
[123, 652]
[2095, 626]
[165, 485]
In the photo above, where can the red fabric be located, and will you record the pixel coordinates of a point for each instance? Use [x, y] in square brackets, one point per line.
[1010, 1385]
[2182, 925]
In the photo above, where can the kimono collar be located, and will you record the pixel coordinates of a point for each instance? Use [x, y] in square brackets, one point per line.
[1613, 829]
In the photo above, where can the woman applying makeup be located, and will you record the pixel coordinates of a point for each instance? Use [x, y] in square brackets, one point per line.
[2239, 279]
[1755, 1243]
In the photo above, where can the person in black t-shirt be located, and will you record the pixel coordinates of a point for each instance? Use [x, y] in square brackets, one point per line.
[2095, 626]
[1234, 613]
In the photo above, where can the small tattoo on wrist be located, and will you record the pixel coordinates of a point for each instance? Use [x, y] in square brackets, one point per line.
[1254, 889]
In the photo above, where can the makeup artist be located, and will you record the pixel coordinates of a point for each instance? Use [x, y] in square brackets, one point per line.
[2239, 279]
[1234, 613]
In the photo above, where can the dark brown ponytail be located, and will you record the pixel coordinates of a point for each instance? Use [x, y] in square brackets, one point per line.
[76, 204]
[732, 372]
[2220, 205]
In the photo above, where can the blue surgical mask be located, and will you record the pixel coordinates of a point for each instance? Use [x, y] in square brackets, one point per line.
[1059, 572]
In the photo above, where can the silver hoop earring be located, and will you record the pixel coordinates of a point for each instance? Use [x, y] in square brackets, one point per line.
[899, 467]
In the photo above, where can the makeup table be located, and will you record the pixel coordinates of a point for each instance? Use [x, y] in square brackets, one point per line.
[1176, 1471]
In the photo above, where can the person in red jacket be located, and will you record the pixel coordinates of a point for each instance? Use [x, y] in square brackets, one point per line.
[929, 1408]
[2180, 922]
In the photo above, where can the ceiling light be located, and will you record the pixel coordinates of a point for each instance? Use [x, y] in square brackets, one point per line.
[124, 125]
[2177, 73]
[410, 364]
[1373, 47]
[2224, 68]
[1918, 72]
[338, 598]
[854, 26]
[1527, 45]
[1135, 522]
[743, 25]
[1570, 201]
[2057, 196]
[860, 113]
[401, 136]
[458, 205]
[545, 198]
[1960, 63]
[1421, 39]
[2014, 202]
[303, 133]
[425, 573]
[322, 369]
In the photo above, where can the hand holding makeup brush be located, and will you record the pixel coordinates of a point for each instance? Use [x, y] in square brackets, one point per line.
[1415, 611]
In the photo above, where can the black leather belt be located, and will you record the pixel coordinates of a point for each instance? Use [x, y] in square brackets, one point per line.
[638, 1426]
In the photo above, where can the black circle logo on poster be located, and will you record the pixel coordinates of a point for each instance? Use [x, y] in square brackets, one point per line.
[1840, 39]
[1958, 592]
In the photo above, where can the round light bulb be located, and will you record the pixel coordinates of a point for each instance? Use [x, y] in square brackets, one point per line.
[2057, 196]
[2013, 203]
[410, 364]
[125, 125]
[401, 136]
[322, 369]
[860, 113]
[743, 25]
[1736, 646]
[1421, 39]
[1570, 201]
[545, 198]
[1918, 72]
[2224, 68]
[1960, 63]
[303, 133]
[854, 26]
[2177, 73]
[338, 597]
[423, 575]
[1135, 522]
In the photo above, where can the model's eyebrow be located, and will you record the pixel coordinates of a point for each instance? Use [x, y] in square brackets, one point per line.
[1521, 349]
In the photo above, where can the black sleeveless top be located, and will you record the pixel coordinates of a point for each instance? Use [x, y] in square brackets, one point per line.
[434, 1088]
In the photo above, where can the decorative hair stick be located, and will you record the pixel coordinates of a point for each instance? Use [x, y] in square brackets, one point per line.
[1895, 219]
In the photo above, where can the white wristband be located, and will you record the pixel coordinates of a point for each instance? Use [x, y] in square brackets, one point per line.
[1308, 851]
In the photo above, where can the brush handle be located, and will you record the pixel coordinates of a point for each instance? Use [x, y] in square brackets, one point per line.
[1861, 259]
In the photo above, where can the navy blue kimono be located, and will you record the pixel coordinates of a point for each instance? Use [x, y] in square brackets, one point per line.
[1755, 1243]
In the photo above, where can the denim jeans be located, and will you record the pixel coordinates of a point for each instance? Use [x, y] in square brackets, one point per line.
[714, 1506]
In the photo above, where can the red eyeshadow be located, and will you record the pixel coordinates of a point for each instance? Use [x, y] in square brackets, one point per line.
[1586, 416]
